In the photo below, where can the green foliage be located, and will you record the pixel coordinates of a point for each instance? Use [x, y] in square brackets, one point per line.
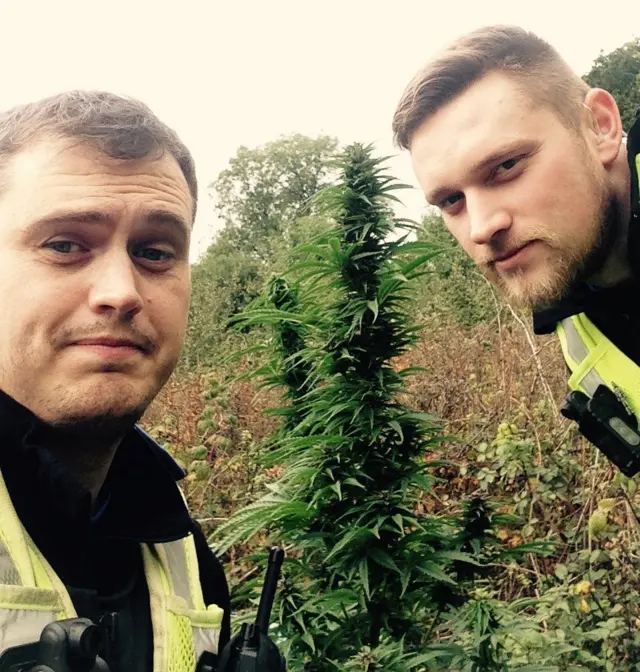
[618, 72]
[223, 283]
[453, 288]
[263, 198]
[265, 190]
[368, 577]
[589, 613]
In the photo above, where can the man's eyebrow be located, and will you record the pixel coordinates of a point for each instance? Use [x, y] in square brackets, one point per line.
[498, 155]
[162, 217]
[71, 217]
[168, 218]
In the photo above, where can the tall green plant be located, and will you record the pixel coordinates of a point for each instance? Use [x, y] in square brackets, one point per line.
[368, 577]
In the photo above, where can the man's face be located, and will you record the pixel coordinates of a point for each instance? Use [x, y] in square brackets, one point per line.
[95, 281]
[521, 193]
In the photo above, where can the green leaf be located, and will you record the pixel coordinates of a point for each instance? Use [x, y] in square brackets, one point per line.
[383, 559]
[425, 658]
[561, 571]
[352, 481]
[457, 555]
[396, 426]
[435, 571]
[399, 522]
[405, 577]
[355, 535]
[363, 569]
[307, 638]
[373, 307]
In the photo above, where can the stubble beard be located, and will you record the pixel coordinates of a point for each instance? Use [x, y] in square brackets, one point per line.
[567, 266]
[98, 413]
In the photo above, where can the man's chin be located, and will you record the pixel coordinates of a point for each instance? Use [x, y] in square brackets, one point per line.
[97, 423]
[91, 414]
[533, 294]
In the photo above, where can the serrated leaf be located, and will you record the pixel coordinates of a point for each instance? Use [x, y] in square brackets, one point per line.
[457, 555]
[394, 424]
[404, 580]
[383, 559]
[359, 532]
[436, 572]
[373, 307]
[308, 640]
[337, 489]
[363, 569]
[425, 658]
[398, 519]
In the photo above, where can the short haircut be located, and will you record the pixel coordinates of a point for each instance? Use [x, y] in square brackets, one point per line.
[534, 65]
[119, 127]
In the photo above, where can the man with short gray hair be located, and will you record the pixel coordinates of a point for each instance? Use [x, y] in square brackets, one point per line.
[529, 169]
[97, 203]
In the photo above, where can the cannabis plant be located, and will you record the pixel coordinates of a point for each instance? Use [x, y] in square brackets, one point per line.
[367, 577]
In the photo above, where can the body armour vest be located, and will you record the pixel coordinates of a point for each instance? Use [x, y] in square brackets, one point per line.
[32, 595]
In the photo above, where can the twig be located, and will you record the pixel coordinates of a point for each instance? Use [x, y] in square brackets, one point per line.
[536, 358]
[498, 311]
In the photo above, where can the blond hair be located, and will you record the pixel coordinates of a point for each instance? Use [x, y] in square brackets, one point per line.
[528, 60]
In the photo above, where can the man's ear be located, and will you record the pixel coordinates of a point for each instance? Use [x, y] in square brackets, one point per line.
[604, 125]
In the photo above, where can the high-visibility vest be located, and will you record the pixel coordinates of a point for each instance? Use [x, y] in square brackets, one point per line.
[32, 595]
[594, 360]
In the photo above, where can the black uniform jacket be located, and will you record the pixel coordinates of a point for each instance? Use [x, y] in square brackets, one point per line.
[95, 549]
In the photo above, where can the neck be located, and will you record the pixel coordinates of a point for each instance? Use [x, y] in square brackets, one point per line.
[89, 460]
[617, 268]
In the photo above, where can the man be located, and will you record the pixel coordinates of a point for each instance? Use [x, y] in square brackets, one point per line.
[97, 201]
[533, 178]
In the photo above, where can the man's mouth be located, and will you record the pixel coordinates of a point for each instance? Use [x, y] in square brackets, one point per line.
[110, 347]
[509, 253]
[511, 259]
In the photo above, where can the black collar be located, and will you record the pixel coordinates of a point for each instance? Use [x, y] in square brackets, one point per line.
[140, 500]
[600, 304]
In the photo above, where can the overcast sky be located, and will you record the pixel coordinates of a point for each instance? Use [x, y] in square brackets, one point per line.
[226, 73]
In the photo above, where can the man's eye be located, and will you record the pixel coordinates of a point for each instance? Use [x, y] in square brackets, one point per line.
[450, 201]
[153, 254]
[63, 246]
[506, 166]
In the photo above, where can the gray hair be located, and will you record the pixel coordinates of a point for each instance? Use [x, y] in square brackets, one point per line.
[119, 127]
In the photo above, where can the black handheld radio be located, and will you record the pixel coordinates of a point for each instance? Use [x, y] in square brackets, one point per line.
[251, 650]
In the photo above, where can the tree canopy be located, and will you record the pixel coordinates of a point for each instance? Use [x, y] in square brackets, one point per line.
[265, 189]
[618, 72]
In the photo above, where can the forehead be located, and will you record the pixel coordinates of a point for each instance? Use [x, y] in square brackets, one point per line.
[54, 172]
[489, 114]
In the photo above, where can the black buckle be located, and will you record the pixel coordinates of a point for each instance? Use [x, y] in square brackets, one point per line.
[605, 421]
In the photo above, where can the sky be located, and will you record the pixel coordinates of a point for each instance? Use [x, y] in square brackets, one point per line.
[227, 73]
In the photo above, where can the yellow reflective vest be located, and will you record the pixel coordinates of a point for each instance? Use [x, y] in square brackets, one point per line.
[594, 360]
[32, 595]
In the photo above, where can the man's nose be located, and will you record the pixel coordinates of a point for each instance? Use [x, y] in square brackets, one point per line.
[486, 220]
[115, 285]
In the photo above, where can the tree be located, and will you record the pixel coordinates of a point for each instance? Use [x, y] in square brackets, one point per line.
[619, 73]
[263, 198]
[265, 190]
